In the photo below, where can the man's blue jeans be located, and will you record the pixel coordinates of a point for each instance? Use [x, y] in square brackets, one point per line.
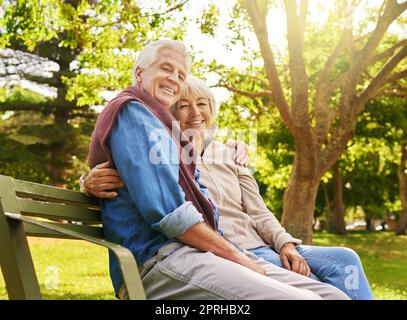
[340, 267]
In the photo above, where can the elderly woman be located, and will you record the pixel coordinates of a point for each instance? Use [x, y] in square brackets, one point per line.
[243, 215]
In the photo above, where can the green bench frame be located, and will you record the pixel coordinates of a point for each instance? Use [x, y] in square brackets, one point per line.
[32, 209]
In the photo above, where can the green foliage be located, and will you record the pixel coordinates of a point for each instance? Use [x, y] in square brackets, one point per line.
[18, 95]
[271, 161]
[18, 161]
[103, 35]
[209, 20]
[30, 142]
[369, 167]
[94, 45]
[372, 161]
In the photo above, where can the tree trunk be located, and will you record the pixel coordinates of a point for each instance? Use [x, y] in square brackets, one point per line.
[60, 159]
[299, 204]
[322, 143]
[336, 220]
[402, 223]
[58, 173]
[368, 220]
[328, 205]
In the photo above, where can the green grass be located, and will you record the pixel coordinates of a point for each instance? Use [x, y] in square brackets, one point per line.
[384, 258]
[83, 268]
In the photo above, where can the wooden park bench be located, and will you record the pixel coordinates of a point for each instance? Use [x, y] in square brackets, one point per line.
[32, 209]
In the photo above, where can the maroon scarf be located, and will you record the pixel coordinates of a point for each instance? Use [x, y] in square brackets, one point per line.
[99, 152]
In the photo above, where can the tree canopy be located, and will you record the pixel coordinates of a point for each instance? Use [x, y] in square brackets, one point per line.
[333, 94]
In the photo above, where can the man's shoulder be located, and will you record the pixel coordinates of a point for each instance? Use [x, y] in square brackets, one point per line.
[136, 111]
[134, 107]
[136, 119]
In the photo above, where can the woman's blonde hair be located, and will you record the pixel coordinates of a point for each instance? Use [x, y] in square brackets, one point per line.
[194, 87]
[148, 54]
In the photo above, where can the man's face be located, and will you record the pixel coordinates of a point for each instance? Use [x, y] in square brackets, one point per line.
[164, 78]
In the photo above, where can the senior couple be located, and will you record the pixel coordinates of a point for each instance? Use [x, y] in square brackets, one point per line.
[198, 229]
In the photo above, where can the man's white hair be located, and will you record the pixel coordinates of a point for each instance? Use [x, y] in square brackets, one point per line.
[148, 54]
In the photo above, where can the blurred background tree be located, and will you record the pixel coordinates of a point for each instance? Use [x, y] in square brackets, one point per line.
[320, 83]
[78, 50]
[328, 106]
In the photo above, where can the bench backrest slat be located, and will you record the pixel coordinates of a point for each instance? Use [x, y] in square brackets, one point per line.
[37, 231]
[67, 208]
[58, 211]
[43, 192]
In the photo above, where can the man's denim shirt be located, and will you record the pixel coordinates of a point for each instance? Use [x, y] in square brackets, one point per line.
[151, 209]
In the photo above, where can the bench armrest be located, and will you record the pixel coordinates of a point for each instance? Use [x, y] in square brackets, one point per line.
[128, 265]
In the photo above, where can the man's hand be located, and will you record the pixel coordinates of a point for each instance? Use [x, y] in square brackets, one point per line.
[241, 154]
[249, 263]
[101, 179]
[293, 261]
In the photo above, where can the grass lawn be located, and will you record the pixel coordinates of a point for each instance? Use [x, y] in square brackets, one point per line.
[384, 258]
[78, 270]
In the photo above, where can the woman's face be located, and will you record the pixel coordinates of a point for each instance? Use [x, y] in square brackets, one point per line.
[193, 113]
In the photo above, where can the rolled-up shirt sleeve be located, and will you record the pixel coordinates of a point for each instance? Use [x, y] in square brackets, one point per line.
[148, 163]
[179, 220]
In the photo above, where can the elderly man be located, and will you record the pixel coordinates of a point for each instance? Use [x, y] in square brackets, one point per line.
[163, 213]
